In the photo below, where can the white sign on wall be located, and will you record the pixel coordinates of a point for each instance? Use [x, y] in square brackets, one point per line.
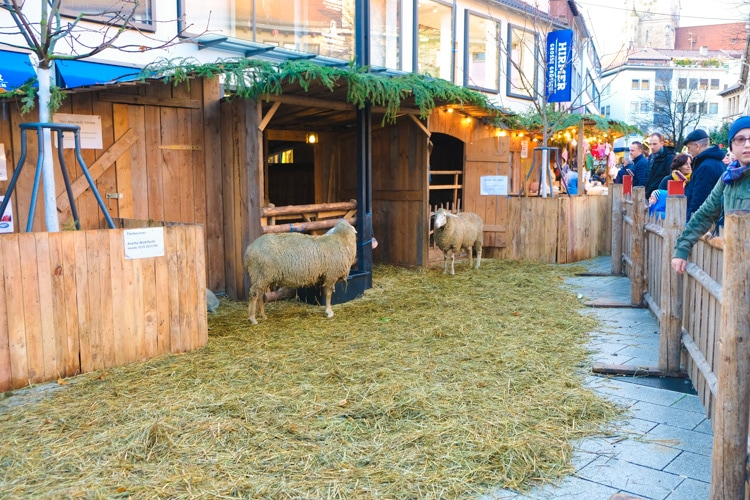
[493, 185]
[6, 220]
[524, 148]
[3, 164]
[91, 130]
[144, 243]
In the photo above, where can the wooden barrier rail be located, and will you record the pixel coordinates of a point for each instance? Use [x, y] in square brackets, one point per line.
[71, 302]
[307, 218]
[700, 319]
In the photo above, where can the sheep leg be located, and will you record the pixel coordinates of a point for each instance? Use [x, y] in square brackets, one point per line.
[251, 304]
[445, 262]
[328, 291]
[453, 260]
[470, 257]
[479, 257]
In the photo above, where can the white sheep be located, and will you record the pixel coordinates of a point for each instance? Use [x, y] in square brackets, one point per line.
[453, 232]
[298, 260]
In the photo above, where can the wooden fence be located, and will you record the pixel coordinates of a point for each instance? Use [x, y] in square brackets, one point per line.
[560, 229]
[702, 330]
[70, 302]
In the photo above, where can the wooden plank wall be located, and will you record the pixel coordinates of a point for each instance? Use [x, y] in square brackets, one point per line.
[161, 160]
[702, 316]
[71, 303]
[399, 192]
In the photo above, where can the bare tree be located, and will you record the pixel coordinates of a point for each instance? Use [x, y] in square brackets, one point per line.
[526, 53]
[678, 105]
[41, 27]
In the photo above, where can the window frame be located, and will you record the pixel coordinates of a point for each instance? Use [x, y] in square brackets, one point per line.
[149, 6]
[416, 44]
[468, 14]
[509, 87]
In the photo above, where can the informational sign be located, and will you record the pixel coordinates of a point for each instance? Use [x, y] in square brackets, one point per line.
[144, 243]
[3, 164]
[6, 220]
[524, 148]
[559, 66]
[91, 130]
[490, 185]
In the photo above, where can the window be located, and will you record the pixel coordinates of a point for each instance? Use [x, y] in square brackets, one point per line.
[606, 111]
[714, 84]
[326, 30]
[644, 107]
[635, 106]
[693, 83]
[691, 108]
[482, 57]
[713, 108]
[435, 32]
[682, 83]
[679, 107]
[109, 11]
[703, 84]
[522, 63]
[702, 108]
[645, 84]
[385, 33]
[635, 85]
[659, 86]
[640, 84]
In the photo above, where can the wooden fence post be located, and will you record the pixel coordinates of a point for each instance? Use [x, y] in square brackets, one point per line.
[733, 398]
[670, 308]
[616, 257]
[638, 239]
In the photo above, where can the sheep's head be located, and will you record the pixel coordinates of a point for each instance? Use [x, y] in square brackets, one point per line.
[441, 217]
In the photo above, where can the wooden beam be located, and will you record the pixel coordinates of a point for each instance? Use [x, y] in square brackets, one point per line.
[421, 125]
[643, 371]
[264, 122]
[315, 102]
[150, 101]
[100, 166]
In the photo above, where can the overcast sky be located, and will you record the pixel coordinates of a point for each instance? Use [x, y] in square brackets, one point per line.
[603, 16]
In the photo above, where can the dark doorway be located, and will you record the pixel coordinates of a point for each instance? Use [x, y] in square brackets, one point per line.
[446, 164]
[291, 173]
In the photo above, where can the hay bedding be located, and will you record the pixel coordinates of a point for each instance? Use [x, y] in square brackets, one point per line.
[430, 386]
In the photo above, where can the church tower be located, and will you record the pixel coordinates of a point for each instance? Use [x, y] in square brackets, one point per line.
[655, 22]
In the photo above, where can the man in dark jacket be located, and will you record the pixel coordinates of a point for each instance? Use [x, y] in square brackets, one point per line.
[640, 164]
[659, 163]
[707, 169]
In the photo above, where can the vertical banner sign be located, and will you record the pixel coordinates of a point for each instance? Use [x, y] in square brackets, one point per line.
[559, 65]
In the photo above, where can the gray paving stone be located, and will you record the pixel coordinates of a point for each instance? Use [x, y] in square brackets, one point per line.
[635, 451]
[690, 403]
[704, 427]
[572, 488]
[691, 465]
[633, 478]
[642, 393]
[690, 489]
[669, 415]
[695, 442]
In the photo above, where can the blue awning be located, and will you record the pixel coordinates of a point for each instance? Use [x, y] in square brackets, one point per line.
[15, 70]
[72, 74]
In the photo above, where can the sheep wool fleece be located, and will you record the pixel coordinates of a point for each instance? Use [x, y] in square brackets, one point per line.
[297, 260]
[456, 232]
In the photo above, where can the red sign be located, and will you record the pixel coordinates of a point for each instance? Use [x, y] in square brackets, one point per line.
[675, 188]
[627, 184]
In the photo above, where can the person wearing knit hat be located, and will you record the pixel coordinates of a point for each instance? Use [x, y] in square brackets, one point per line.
[731, 192]
[707, 167]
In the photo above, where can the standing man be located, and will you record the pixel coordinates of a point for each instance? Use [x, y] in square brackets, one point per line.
[639, 166]
[732, 192]
[707, 166]
[659, 163]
